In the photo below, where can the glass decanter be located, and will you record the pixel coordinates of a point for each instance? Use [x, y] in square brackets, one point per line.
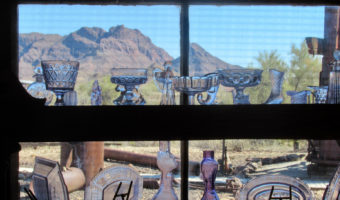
[127, 80]
[38, 88]
[163, 81]
[166, 162]
[333, 96]
[60, 77]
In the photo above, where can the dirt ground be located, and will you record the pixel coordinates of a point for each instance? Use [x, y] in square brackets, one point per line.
[239, 154]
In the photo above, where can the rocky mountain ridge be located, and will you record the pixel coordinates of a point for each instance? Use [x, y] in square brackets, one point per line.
[98, 51]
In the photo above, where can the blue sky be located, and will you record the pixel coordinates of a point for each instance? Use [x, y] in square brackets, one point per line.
[235, 34]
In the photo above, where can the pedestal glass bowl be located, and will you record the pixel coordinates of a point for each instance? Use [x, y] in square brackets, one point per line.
[128, 80]
[60, 77]
[192, 85]
[240, 79]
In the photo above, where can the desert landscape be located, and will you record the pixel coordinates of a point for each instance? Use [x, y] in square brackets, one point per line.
[280, 157]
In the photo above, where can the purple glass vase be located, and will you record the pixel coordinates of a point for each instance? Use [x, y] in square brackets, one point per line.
[209, 170]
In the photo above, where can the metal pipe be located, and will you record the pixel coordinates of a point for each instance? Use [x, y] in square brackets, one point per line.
[74, 179]
[143, 159]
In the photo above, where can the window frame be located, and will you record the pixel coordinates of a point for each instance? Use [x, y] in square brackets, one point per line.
[181, 122]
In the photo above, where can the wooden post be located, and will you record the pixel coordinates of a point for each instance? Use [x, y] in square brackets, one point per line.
[329, 43]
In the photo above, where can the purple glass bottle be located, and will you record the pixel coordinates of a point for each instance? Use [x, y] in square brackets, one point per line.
[209, 170]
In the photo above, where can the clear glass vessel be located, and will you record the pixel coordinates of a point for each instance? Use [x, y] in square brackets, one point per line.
[128, 80]
[240, 79]
[276, 78]
[301, 97]
[163, 81]
[38, 88]
[333, 96]
[319, 94]
[193, 85]
[60, 77]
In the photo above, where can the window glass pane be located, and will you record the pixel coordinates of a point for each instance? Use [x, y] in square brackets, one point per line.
[262, 38]
[99, 38]
[104, 163]
[314, 162]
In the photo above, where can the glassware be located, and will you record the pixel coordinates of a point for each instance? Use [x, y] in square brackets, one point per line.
[192, 85]
[276, 78]
[319, 94]
[209, 170]
[163, 81]
[212, 92]
[166, 162]
[273, 187]
[60, 77]
[96, 94]
[333, 189]
[301, 97]
[38, 88]
[240, 79]
[333, 96]
[127, 80]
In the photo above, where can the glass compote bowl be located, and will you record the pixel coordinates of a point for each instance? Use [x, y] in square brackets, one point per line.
[240, 79]
[129, 79]
[192, 85]
[60, 77]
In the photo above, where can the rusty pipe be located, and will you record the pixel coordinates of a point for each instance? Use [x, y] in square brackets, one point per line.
[143, 159]
[92, 159]
[74, 179]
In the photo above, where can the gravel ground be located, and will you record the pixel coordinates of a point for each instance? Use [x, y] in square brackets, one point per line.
[52, 151]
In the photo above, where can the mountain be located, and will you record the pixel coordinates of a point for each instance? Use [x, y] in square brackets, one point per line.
[98, 51]
[201, 62]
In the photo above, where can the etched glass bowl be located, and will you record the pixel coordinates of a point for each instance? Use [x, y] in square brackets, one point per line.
[240, 78]
[129, 79]
[129, 76]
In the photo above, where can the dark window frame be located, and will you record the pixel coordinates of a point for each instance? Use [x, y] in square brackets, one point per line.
[182, 122]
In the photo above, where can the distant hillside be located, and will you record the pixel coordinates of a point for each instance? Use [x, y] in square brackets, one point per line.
[202, 62]
[98, 51]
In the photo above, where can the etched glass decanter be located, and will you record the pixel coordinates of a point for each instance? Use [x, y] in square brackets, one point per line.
[333, 96]
[38, 88]
[209, 169]
[166, 162]
[163, 81]
[60, 77]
